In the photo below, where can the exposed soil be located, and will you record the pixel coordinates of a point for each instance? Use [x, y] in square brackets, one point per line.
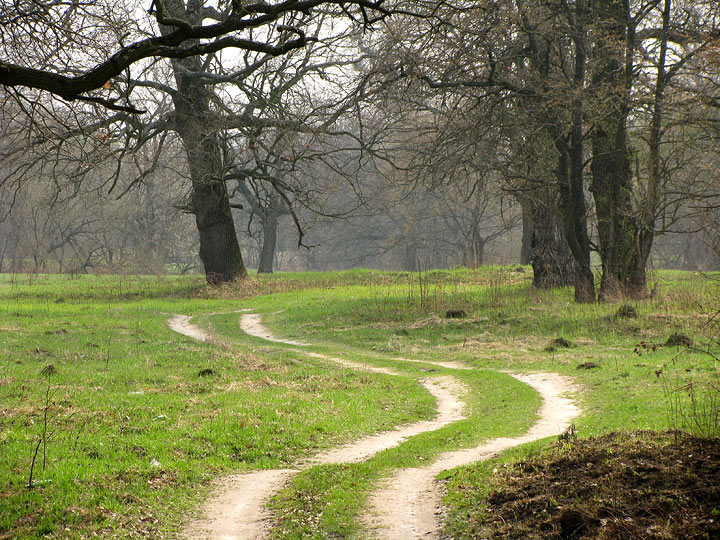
[235, 509]
[408, 505]
[622, 485]
[181, 325]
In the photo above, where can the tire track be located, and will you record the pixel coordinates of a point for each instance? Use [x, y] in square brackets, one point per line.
[235, 509]
[408, 505]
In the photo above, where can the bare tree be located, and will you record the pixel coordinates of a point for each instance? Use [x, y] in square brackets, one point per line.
[192, 34]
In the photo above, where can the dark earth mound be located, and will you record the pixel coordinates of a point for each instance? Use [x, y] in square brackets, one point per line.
[623, 485]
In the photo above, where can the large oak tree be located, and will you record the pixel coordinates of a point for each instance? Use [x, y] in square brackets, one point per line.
[96, 53]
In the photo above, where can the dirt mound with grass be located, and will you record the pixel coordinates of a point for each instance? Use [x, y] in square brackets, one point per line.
[623, 485]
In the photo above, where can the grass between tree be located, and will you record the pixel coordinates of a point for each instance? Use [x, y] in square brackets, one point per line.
[128, 432]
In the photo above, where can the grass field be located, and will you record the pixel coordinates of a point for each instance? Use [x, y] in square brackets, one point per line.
[107, 408]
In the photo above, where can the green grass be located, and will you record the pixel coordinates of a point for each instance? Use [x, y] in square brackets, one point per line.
[134, 433]
[508, 326]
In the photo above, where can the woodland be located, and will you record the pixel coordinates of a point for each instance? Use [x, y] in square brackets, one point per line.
[398, 269]
[576, 136]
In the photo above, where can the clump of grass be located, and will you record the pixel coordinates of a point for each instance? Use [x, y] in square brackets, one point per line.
[48, 370]
[677, 339]
[626, 311]
[588, 365]
[559, 343]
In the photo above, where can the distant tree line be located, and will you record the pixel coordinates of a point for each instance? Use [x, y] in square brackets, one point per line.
[429, 129]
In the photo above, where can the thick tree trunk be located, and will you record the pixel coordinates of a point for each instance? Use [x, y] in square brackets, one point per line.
[267, 254]
[219, 248]
[623, 242]
[566, 137]
[551, 259]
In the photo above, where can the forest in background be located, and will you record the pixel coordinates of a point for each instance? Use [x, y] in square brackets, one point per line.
[578, 137]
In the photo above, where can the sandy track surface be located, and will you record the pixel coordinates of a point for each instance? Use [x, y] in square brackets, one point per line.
[181, 324]
[251, 324]
[408, 505]
[235, 509]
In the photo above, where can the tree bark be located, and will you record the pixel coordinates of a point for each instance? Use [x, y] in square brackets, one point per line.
[563, 123]
[219, 247]
[574, 211]
[623, 272]
[569, 174]
[267, 254]
[551, 259]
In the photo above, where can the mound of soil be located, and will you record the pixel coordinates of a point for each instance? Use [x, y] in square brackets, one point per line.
[623, 485]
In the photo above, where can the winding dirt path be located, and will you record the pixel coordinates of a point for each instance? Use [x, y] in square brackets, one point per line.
[251, 324]
[181, 324]
[235, 509]
[408, 504]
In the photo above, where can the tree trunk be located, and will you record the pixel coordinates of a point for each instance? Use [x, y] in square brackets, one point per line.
[645, 233]
[267, 255]
[474, 251]
[573, 208]
[551, 259]
[619, 229]
[569, 174]
[219, 248]
[528, 230]
[410, 260]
